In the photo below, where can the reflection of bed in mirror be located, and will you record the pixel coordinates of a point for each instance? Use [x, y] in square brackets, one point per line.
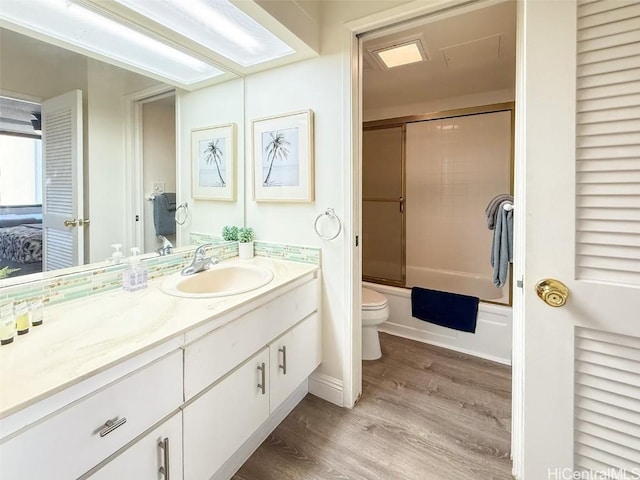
[21, 241]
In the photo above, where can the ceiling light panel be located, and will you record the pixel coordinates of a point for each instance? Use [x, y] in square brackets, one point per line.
[402, 54]
[217, 25]
[86, 29]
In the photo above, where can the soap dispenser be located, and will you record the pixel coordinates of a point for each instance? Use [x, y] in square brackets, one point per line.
[116, 255]
[140, 269]
[129, 276]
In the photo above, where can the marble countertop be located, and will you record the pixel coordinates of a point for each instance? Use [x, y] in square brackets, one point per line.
[84, 337]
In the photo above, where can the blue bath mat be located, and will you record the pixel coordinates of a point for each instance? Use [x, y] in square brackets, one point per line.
[451, 310]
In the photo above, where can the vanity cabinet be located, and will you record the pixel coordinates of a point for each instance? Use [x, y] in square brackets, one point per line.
[209, 358]
[221, 419]
[195, 412]
[218, 422]
[75, 439]
[293, 357]
[149, 457]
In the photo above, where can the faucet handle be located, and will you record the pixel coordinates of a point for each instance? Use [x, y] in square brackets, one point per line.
[199, 253]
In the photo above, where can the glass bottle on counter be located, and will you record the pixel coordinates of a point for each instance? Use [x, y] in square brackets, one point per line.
[7, 324]
[23, 318]
[37, 313]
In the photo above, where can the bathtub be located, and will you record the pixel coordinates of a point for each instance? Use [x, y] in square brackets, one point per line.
[491, 341]
[457, 282]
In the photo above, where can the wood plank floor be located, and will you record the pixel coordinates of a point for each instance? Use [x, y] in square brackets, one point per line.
[425, 413]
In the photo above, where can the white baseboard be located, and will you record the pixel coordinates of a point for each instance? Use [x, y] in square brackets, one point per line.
[327, 388]
[423, 336]
[241, 455]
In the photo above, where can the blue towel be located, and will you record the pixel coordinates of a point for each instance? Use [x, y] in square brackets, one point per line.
[502, 248]
[452, 310]
[164, 214]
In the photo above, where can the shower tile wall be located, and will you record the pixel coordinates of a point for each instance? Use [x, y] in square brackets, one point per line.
[453, 169]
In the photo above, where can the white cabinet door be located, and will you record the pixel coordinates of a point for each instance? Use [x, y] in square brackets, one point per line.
[293, 357]
[218, 423]
[159, 449]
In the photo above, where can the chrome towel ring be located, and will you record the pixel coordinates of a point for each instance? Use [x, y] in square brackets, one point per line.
[331, 213]
[184, 207]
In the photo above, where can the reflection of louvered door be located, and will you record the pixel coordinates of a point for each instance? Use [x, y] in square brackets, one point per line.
[63, 245]
[582, 360]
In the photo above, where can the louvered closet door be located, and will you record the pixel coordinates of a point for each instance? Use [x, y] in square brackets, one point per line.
[582, 148]
[63, 246]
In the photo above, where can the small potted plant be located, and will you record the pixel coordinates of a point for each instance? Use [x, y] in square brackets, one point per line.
[6, 271]
[230, 233]
[246, 236]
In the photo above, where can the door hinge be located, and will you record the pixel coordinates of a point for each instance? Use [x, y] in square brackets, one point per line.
[357, 240]
[520, 283]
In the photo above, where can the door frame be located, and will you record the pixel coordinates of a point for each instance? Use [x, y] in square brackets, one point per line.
[134, 156]
[402, 17]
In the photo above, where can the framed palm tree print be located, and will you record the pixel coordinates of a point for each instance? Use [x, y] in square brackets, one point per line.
[213, 162]
[283, 158]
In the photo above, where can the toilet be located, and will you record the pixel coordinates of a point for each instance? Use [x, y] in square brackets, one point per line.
[375, 310]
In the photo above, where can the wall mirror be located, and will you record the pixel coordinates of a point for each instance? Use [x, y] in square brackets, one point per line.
[134, 139]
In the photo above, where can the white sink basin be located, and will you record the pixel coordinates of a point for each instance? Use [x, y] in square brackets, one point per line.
[218, 281]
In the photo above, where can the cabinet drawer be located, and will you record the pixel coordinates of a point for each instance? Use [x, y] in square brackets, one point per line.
[223, 418]
[215, 354]
[143, 459]
[75, 439]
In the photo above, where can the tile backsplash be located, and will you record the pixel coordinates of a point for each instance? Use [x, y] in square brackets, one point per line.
[294, 253]
[72, 286]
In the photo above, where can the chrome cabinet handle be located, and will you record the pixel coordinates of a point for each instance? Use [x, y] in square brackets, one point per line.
[164, 469]
[283, 367]
[263, 385]
[111, 425]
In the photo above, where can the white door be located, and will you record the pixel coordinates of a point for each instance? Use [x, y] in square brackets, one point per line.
[63, 244]
[581, 208]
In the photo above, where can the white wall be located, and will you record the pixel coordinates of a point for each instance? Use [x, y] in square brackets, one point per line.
[158, 159]
[315, 84]
[105, 196]
[440, 105]
[210, 106]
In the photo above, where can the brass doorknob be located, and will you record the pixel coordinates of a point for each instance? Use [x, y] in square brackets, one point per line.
[71, 223]
[552, 292]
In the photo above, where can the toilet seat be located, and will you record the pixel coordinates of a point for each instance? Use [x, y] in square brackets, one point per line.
[372, 300]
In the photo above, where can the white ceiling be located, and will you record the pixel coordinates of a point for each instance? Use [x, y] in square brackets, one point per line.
[469, 53]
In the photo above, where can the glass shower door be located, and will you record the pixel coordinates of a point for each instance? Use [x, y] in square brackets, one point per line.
[383, 241]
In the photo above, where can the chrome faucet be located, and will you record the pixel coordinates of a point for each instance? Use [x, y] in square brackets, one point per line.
[200, 261]
[166, 248]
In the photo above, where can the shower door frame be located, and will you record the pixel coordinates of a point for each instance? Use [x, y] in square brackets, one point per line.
[402, 201]
[403, 122]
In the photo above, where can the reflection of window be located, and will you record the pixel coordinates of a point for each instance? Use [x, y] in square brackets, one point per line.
[20, 170]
